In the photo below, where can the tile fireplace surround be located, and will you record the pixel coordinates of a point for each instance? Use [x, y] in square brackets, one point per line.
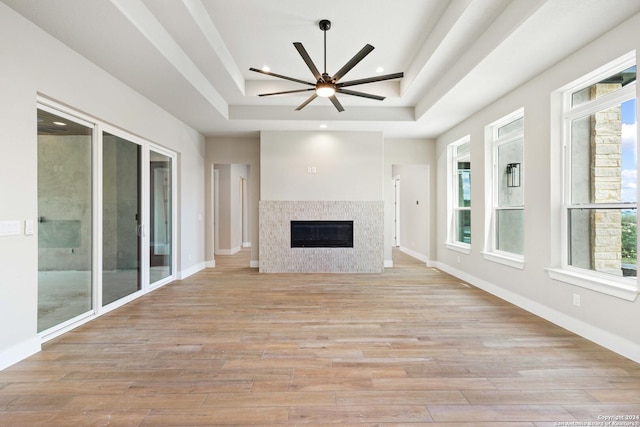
[277, 255]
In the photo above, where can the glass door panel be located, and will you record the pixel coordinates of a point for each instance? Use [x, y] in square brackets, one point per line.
[64, 219]
[161, 217]
[120, 218]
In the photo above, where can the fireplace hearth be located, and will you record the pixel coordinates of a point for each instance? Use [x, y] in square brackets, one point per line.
[322, 234]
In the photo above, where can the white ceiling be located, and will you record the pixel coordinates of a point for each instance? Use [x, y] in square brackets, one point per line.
[192, 57]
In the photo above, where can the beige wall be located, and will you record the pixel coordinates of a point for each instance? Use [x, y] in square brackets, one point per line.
[348, 165]
[329, 157]
[229, 151]
[409, 152]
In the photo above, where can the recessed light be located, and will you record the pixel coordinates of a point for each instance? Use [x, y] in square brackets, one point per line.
[323, 126]
[379, 70]
[59, 123]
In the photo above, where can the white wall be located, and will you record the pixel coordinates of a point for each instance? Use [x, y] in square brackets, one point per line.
[348, 165]
[35, 63]
[609, 320]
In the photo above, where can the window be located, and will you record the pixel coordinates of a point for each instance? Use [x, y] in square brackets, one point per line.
[505, 242]
[599, 215]
[460, 194]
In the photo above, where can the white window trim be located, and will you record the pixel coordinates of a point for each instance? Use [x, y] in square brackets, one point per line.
[624, 288]
[504, 258]
[464, 248]
[491, 202]
[452, 196]
[594, 281]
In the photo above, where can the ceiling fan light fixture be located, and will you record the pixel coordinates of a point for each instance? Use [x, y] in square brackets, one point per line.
[325, 90]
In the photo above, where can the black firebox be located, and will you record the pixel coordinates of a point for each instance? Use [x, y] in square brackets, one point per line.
[321, 234]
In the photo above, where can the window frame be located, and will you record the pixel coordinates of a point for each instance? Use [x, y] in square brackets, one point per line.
[493, 143]
[453, 208]
[622, 287]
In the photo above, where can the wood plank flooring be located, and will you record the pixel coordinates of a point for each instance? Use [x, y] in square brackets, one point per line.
[230, 346]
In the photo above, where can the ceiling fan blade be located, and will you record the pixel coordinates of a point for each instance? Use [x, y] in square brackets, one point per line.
[353, 62]
[305, 103]
[336, 103]
[361, 94]
[371, 79]
[280, 76]
[307, 59]
[286, 92]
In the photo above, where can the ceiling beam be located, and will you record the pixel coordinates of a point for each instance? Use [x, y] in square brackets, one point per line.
[468, 56]
[435, 48]
[144, 21]
[202, 19]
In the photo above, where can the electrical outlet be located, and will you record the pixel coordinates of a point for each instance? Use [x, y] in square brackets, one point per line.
[576, 300]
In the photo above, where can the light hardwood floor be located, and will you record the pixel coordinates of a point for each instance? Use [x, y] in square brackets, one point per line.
[232, 346]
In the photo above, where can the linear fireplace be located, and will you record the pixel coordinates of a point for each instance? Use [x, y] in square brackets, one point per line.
[322, 234]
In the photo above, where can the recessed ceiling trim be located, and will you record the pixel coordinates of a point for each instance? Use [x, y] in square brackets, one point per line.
[389, 88]
[510, 19]
[324, 113]
[210, 32]
[144, 21]
[442, 30]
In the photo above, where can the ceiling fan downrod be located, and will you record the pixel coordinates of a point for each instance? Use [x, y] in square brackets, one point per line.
[325, 25]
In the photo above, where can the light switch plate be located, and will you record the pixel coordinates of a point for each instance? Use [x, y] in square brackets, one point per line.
[28, 227]
[10, 228]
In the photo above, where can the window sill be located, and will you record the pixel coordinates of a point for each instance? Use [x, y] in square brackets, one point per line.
[626, 291]
[504, 260]
[459, 247]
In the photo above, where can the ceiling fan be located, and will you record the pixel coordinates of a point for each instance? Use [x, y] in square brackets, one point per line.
[327, 86]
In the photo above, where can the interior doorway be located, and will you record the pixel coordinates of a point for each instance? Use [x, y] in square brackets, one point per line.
[396, 210]
[216, 212]
[244, 212]
[412, 209]
[231, 218]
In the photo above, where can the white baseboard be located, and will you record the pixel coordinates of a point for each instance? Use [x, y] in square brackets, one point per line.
[210, 264]
[254, 264]
[599, 336]
[191, 270]
[415, 254]
[246, 244]
[388, 263]
[231, 251]
[20, 352]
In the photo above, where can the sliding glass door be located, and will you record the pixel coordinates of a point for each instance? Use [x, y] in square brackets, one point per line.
[65, 218]
[121, 218]
[106, 206]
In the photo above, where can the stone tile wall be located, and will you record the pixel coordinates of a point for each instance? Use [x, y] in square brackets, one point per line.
[277, 255]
